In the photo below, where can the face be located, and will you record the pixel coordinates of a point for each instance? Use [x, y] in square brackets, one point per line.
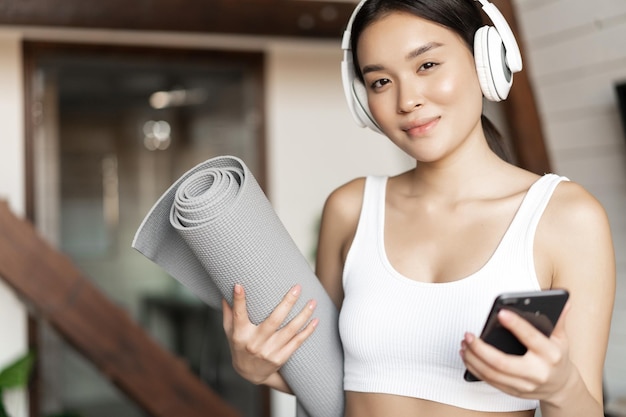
[422, 85]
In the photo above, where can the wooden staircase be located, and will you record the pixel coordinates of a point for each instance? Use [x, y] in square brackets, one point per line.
[48, 283]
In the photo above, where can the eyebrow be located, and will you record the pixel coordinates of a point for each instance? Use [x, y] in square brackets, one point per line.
[422, 49]
[411, 55]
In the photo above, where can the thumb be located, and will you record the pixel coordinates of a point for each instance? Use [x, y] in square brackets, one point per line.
[227, 316]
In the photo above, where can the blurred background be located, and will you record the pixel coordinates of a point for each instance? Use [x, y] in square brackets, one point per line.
[103, 106]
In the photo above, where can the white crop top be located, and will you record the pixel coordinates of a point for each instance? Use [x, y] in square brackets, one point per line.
[402, 336]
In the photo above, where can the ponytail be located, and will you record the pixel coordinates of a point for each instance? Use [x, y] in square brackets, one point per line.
[495, 140]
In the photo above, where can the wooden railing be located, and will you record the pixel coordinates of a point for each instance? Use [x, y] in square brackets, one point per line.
[49, 283]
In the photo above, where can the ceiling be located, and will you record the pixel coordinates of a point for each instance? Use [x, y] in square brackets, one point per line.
[284, 18]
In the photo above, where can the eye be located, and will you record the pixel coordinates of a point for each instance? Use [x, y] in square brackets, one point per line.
[428, 66]
[379, 83]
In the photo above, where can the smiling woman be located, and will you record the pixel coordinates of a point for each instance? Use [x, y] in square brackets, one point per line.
[403, 79]
[414, 261]
[495, 78]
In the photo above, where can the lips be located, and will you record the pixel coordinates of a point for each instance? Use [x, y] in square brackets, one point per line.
[421, 126]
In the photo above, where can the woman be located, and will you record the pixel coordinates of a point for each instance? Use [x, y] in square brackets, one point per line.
[414, 261]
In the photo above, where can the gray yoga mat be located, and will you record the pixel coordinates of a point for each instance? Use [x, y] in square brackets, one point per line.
[213, 228]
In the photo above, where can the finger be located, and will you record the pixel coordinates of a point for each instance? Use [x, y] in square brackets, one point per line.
[516, 384]
[297, 341]
[282, 310]
[471, 361]
[227, 317]
[240, 312]
[523, 330]
[278, 346]
[482, 358]
[296, 324]
[522, 373]
[509, 373]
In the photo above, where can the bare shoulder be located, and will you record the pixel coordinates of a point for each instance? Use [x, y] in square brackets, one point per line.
[339, 222]
[575, 230]
[345, 202]
[574, 210]
[341, 214]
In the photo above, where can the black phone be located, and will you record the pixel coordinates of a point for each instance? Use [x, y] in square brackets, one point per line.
[541, 308]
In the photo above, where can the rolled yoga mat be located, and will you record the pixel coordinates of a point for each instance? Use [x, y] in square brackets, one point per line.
[213, 228]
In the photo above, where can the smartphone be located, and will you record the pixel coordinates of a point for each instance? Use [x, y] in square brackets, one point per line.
[541, 308]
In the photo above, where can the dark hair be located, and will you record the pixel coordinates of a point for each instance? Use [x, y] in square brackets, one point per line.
[460, 16]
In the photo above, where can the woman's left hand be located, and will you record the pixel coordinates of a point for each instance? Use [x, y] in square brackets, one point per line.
[541, 373]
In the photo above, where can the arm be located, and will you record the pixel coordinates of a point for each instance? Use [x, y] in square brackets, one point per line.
[338, 227]
[584, 262]
[573, 250]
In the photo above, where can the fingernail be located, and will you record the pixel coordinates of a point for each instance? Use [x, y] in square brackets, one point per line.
[315, 322]
[469, 338]
[312, 304]
[296, 290]
[505, 314]
[238, 289]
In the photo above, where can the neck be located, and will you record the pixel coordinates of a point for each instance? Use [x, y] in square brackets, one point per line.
[457, 177]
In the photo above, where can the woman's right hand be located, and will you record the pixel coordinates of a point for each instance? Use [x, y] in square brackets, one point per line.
[259, 351]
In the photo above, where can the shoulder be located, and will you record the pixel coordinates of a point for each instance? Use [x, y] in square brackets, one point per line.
[575, 229]
[342, 211]
[574, 209]
[340, 219]
[344, 203]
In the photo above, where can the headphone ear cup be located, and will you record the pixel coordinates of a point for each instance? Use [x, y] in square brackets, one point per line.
[361, 107]
[494, 76]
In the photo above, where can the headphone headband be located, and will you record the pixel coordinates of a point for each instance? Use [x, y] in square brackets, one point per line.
[513, 54]
[514, 59]
[496, 54]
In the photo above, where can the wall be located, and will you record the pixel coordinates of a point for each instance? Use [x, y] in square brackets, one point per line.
[576, 52]
[314, 145]
[13, 326]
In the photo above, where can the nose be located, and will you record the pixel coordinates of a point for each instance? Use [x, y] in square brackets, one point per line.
[409, 98]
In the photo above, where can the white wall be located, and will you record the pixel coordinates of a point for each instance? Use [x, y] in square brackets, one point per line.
[313, 144]
[576, 52]
[13, 325]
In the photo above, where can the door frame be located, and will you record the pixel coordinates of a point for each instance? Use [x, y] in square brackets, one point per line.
[33, 51]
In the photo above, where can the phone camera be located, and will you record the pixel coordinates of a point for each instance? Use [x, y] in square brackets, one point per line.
[526, 301]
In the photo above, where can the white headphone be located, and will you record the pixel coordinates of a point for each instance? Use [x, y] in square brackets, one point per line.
[496, 54]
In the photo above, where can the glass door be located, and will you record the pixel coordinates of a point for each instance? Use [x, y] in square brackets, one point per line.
[112, 129]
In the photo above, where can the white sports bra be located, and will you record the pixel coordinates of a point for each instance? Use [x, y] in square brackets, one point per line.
[402, 336]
